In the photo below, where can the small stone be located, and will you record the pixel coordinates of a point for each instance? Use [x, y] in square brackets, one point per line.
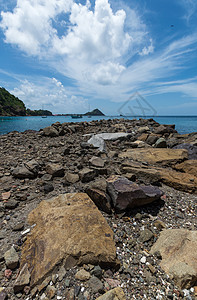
[18, 227]
[71, 178]
[8, 273]
[82, 275]
[55, 170]
[143, 259]
[97, 162]
[3, 295]
[11, 204]
[87, 175]
[159, 224]
[67, 282]
[97, 271]
[145, 236]
[61, 273]
[44, 283]
[48, 187]
[96, 285]
[5, 196]
[161, 143]
[11, 258]
[152, 269]
[50, 291]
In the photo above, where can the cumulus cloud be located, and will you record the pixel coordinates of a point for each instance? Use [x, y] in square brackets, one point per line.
[147, 50]
[51, 94]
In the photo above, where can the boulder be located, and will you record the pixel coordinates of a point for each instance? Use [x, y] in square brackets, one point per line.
[179, 260]
[114, 294]
[126, 195]
[162, 129]
[156, 156]
[100, 198]
[192, 150]
[33, 166]
[188, 166]
[97, 142]
[50, 131]
[152, 139]
[178, 180]
[71, 177]
[68, 228]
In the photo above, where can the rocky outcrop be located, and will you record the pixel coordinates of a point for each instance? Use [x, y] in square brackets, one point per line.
[156, 156]
[126, 194]
[179, 260]
[68, 228]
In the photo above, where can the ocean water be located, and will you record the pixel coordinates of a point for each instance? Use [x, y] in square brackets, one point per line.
[183, 124]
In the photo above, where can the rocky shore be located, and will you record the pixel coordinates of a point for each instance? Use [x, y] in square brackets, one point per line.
[101, 210]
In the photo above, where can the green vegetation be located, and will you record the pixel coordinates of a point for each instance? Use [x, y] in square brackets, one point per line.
[95, 112]
[10, 105]
[40, 112]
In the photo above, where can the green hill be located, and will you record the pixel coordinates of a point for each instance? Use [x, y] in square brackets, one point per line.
[10, 105]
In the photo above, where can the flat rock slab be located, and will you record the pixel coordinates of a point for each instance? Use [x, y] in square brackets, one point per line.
[126, 194]
[181, 181]
[98, 140]
[156, 156]
[188, 166]
[179, 258]
[69, 229]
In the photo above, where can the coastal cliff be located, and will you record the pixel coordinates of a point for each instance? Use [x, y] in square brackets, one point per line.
[10, 105]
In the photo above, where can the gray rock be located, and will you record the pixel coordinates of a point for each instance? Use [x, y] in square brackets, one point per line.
[145, 235]
[151, 139]
[97, 162]
[3, 295]
[71, 178]
[97, 271]
[97, 142]
[95, 284]
[48, 187]
[33, 166]
[11, 204]
[22, 173]
[112, 136]
[11, 258]
[192, 150]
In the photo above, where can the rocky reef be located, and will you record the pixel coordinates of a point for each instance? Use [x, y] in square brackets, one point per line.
[101, 210]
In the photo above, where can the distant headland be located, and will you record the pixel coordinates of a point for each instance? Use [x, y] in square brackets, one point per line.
[13, 106]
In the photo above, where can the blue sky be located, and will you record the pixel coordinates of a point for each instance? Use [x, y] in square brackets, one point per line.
[68, 56]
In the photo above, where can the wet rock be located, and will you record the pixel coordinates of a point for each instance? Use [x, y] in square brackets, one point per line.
[22, 280]
[55, 170]
[126, 194]
[156, 156]
[97, 162]
[22, 173]
[50, 131]
[96, 285]
[176, 247]
[82, 275]
[72, 223]
[161, 143]
[87, 174]
[11, 258]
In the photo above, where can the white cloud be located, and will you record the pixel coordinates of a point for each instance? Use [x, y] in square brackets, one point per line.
[147, 50]
[190, 7]
[49, 94]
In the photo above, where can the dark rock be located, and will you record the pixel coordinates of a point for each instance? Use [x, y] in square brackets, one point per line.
[3, 295]
[126, 194]
[22, 280]
[18, 227]
[87, 175]
[11, 204]
[145, 235]
[97, 162]
[33, 166]
[151, 139]
[97, 271]
[48, 187]
[161, 143]
[100, 198]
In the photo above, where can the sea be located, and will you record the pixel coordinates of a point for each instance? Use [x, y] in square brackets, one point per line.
[183, 124]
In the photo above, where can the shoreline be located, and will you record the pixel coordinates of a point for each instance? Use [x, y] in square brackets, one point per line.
[61, 159]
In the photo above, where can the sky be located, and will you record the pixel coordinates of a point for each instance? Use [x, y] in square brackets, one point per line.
[128, 56]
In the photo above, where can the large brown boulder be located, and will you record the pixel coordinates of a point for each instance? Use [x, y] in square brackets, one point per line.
[156, 156]
[188, 166]
[69, 229]
[126, 195]
[179, 258]
[181, 181]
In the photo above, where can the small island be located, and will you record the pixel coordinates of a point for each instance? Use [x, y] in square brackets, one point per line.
[95, 112]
